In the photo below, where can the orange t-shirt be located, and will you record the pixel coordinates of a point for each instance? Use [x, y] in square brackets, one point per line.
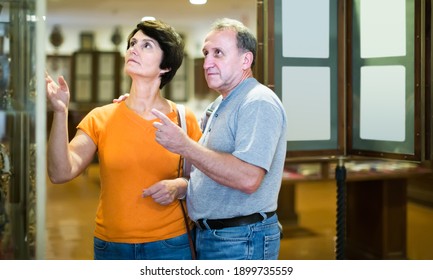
[131, 160]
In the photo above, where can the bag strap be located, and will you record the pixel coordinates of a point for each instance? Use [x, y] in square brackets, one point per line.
[181, 114]
[190, 240]
[182, 119]
[182, 123]
[209, 112]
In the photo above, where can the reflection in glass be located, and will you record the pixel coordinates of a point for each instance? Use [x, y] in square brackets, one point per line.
[300, 19]
[383, 36]
[382, 115]
[307, 100]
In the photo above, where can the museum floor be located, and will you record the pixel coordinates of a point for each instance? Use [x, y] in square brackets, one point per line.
[71, 209]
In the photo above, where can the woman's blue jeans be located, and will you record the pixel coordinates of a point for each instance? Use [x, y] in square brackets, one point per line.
[176, 248]
[259, 241]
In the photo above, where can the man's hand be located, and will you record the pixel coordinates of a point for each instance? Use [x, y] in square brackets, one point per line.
[169, 134]
[121, 98]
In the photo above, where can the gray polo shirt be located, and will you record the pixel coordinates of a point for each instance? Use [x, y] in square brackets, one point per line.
[251, 125]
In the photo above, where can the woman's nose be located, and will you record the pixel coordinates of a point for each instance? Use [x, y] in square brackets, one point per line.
[132, 49]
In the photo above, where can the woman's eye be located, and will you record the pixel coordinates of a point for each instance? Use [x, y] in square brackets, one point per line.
[145, 45]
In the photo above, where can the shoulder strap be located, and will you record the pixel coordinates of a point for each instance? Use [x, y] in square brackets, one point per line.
[182, 118]
[186, 170]
[181, 114]
[209, 110]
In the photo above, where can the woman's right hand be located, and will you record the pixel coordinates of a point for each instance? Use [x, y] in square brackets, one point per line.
[57, 94]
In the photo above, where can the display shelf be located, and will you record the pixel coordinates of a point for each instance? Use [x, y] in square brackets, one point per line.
[355, 170]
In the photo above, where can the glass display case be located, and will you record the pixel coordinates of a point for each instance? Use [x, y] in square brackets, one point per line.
[20, 68]
[355, 79]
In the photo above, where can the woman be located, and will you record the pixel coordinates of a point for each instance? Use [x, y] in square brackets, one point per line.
[138, 216]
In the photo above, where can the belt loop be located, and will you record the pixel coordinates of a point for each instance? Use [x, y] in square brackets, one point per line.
[264, 216]
[206, 225]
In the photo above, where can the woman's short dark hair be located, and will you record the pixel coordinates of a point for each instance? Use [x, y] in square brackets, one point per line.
[171, 44]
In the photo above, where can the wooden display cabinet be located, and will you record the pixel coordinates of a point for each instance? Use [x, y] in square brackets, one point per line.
[96, 77]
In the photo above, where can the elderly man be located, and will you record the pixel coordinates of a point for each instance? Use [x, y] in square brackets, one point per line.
[238, 162]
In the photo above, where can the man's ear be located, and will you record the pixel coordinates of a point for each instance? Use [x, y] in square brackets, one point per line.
[248, 60]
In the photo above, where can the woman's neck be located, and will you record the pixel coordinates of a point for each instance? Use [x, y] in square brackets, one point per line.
[142, 99]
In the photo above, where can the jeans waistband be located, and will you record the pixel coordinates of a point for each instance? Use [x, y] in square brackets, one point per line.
[233, 222]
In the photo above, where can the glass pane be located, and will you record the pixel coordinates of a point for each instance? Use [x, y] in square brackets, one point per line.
[105, 90]
[383, 78]
[83, 62]
[107, 64]
[383, 103]
[380, 37]
[300, 19]
[83, 92]
[306, 74]
[307, 100]
[18, 71]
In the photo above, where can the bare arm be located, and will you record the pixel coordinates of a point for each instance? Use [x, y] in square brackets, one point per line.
[65, 160]
[223, 168]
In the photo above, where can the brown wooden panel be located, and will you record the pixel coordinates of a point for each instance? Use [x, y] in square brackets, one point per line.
[376, 219]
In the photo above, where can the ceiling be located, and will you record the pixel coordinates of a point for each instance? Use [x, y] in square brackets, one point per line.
[179, 13]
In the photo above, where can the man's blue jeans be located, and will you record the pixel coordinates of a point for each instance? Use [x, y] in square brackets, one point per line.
[176, 248]
[259, 241]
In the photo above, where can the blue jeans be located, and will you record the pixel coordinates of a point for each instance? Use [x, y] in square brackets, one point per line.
[259, 241]
[176, 248]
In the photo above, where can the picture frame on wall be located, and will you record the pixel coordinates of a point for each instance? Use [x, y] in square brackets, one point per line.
[87, 41]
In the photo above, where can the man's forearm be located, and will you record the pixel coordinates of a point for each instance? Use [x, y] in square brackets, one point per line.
[225, 168]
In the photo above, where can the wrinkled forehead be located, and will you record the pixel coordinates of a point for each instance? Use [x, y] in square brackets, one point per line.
[225, 38]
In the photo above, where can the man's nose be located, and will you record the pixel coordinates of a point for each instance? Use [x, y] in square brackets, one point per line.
[208, 63]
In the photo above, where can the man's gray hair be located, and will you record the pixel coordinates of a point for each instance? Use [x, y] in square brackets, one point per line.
[246, 41]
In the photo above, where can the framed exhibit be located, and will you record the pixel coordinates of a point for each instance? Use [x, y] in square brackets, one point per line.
[306, 75]
[357, 85]
[385, 81]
